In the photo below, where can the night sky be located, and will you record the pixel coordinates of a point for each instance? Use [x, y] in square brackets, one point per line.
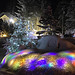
[4, 4]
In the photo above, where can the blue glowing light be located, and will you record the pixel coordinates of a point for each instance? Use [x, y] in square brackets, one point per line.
[61, 62]
[41, 63]
[50, 65]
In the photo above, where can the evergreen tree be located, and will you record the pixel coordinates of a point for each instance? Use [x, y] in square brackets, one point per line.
[8, 29]
[20, 9]
[60, 14]
[70, 21]
[47, 20]
[29, 7]
[1, 21]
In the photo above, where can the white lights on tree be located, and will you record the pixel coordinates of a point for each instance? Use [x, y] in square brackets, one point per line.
[20, 37]
[11, 21]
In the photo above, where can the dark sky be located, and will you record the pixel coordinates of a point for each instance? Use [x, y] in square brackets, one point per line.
[4, 3]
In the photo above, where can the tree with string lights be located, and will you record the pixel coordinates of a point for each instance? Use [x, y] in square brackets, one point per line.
[21, 39]
[47, 20]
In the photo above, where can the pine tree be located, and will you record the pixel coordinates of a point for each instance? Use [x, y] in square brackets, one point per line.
[29, 7]
[60, 14]
[70, 21]
[20, 8]
[47, 20]
[6, 28]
